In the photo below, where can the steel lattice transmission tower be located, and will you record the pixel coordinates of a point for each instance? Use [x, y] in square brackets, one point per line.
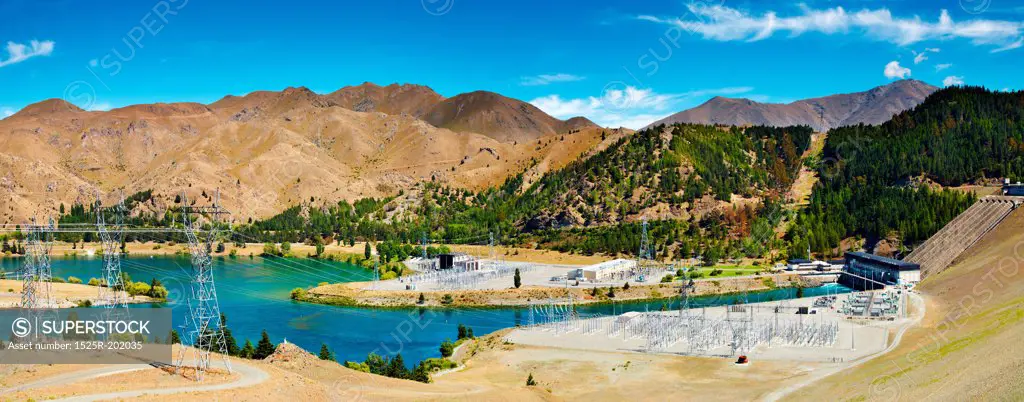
[112, 235]
[203, 327]
[645, 245]
[35, 271]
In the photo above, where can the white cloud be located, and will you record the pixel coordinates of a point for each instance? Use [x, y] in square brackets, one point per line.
[920, 57]
[545, 79]
[1014, 45]
[940, 67]
[6, 112]
[99, 107]
[895, 70]
[722, 23]
[18, 52]
[625, 106]
[952, 80]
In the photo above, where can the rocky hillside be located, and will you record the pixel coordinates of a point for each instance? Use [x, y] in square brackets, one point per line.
[507, 119]
[874, 106]
[502, 118]
[265, 151]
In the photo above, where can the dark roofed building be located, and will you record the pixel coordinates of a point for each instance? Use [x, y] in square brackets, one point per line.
[881, 270]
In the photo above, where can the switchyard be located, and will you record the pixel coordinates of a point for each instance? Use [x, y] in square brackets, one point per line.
[812, 329]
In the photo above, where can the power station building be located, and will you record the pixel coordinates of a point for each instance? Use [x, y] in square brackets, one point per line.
[605, 271]
[458, 261]
[871, 271]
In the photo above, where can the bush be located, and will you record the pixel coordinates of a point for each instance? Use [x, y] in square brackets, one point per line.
[447, 348]
[138, 288]
[270, 250]
[434, 364]
[298, 294]
[447, 299]
[85, 303]
[529, 381]
[75, 280]
[158, 292]
[95, 282]
[358, 366]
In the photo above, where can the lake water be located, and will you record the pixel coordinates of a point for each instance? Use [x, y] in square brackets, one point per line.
[254, 293]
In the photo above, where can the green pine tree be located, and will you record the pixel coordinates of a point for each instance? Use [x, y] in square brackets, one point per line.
[264, 348]
[325, 353]
[247, 351]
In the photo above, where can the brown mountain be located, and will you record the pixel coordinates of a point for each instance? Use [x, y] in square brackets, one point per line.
[502, 118]
[414, 100]
[874, 106]
[265, 151]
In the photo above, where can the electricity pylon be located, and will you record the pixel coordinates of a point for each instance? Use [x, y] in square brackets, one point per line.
[112, 235]
[203, 327]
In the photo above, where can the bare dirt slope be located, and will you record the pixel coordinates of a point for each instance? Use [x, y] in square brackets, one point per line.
[874, 106]
[968, 347]
[265, 151]
[504, 118]
[411, 99]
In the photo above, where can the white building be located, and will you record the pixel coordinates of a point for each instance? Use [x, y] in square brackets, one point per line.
[609, 270]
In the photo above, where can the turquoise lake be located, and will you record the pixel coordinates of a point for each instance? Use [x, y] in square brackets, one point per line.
[254, 293]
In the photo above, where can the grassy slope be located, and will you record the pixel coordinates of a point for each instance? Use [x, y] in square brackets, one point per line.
[968, 345]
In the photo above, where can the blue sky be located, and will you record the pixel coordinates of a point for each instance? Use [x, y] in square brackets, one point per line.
[617, 62]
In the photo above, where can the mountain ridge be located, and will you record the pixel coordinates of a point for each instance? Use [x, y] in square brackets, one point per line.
[873, 106]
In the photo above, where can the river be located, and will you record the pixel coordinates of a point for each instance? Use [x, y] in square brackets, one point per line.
[254, 294]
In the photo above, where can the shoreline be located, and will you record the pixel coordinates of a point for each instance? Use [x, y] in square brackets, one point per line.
[64, 295]
[353, 294]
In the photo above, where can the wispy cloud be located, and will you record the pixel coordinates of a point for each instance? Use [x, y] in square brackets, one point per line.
[626, 106]
[545, 79]
[944, 66]
[99, 107]
[6, 112]
[894, 70]
[1014, 45]
[17, 52]
[722, 23]
[952, 80]
[921, 57]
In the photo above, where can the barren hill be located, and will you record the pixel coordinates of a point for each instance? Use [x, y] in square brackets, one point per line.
[874, 106]
[506, 119]
[265, 151]
[414, 100]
